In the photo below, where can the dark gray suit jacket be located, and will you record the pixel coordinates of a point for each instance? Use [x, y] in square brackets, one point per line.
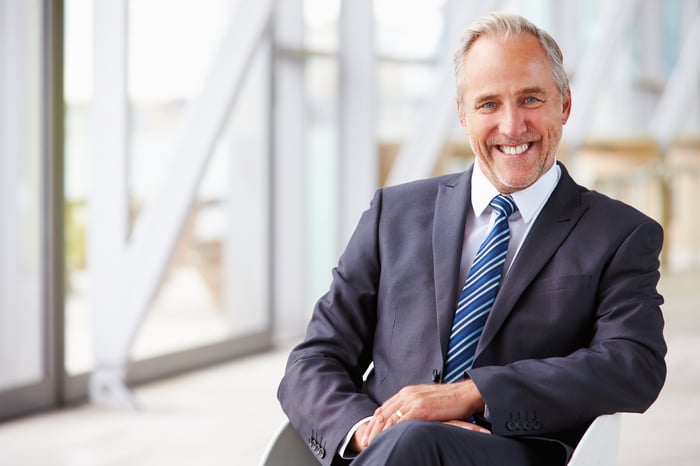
[575, 332]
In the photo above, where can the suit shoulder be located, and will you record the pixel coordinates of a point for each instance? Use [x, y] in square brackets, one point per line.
[613, 209]
[421, 188]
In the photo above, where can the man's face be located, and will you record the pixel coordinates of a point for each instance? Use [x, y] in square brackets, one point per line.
[511, 110]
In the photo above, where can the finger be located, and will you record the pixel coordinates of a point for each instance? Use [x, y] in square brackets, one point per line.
[372, 432]
[356, 443]
[468, 426]
[382, 421]
[375, 425]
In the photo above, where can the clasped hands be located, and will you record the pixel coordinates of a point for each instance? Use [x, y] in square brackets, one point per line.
[449, 403]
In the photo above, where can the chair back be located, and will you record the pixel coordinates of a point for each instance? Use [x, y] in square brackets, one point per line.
[286, 448]
[599, 444]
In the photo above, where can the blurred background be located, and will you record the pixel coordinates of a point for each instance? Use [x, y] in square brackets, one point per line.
[178, 177]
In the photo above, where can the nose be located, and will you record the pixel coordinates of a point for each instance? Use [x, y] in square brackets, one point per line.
[512, 123]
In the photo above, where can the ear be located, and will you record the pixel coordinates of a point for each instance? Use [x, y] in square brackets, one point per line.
[460, 113]
[566, 107]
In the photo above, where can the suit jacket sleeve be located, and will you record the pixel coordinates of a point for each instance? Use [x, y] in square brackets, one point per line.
[589, 328]
[321, 391]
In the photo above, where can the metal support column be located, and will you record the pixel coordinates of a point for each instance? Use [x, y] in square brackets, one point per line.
[289, 282]
[358, 163]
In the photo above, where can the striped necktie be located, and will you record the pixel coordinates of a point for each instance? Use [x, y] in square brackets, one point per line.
[479, 292]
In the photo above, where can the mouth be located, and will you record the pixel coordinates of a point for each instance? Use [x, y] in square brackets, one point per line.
[514, 150]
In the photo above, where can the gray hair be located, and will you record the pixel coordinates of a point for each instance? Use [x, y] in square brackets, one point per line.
[505, 25]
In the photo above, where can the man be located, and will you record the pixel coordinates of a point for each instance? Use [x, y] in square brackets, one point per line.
[574, 331]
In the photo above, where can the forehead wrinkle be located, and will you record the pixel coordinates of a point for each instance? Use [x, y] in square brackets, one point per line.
[534, 90]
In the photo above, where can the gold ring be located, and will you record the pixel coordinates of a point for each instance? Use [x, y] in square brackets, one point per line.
[398, 413]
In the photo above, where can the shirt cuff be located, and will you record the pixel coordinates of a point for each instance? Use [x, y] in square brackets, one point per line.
[348, 438]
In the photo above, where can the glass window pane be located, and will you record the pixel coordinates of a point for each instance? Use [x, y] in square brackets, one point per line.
[21, 219]
[208, 292]
[409, 29]
[171, 48]
[321, 20]
[217, 284]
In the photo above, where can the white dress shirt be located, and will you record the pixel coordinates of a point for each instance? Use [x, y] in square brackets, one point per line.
[529, 201]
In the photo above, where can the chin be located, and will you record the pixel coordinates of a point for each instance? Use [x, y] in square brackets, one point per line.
[516, 183]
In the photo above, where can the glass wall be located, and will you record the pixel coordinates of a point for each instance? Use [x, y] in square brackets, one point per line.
[29, 345]
[22, 215]
[216, 285]
[216, 290]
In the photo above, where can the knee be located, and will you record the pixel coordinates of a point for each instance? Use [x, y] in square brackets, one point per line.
[409, 433]
[410, 442]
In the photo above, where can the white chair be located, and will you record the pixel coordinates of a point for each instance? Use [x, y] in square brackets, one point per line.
[287, 449]
[598, 446]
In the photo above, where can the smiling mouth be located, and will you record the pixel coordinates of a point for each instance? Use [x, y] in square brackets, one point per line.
[514, 150]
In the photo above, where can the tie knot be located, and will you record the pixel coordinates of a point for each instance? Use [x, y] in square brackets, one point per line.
[504, 204]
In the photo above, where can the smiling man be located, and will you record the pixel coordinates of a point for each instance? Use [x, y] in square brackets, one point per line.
[512, 108]
[503, 308]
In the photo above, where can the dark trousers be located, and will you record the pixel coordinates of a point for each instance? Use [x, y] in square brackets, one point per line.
[423, 443]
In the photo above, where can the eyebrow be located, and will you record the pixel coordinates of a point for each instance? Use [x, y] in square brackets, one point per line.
[526, 91]
[485, 98]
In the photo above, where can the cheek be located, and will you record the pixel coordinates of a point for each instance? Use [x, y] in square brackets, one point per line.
[479, 129]
[549, 123]
[553, 134]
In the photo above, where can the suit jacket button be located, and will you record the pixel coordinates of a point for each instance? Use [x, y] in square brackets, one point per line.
[537, 424]
[322, 453]
[510, 426]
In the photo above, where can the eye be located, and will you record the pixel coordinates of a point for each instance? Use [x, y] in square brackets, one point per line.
[488, 105]
[532, 100]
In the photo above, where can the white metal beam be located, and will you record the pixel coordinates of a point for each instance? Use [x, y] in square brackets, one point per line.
[358, 167]
[652, 41]
[290, 313]
[139, 273]
[566, 21]
[108, 204]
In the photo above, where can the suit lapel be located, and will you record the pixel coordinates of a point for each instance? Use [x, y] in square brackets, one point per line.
[554, 223]
[451, 207]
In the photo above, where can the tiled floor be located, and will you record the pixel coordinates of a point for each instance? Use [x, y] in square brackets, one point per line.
[218, 416]
[226, 414]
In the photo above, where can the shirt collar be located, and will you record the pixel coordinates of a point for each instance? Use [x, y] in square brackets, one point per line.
[529, 200]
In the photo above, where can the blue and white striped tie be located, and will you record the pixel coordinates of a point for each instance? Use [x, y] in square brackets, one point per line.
[479, 292]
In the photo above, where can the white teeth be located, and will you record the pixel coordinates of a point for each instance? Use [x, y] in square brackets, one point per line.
[510, 150]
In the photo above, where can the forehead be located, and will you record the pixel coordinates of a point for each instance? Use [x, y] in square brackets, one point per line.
[498, 64]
